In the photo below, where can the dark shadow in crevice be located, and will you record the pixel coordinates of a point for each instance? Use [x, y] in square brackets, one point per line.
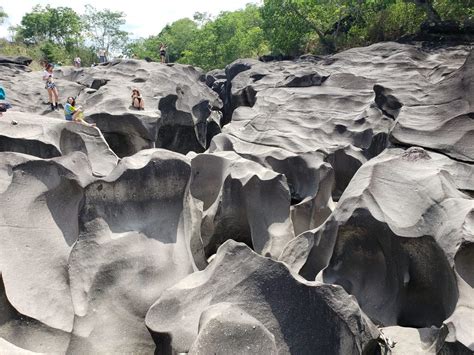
[345, 166]
[125, 145]
[464, 262]
[230, 220]
[178, 138]
[98, 83]
[378, 144]
[395, 279]
[386, 102]
[31, 147]
[151, 208]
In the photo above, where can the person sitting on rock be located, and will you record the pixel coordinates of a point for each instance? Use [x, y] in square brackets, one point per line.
[4, 104]
[73, 113]
[77, 62]
[137, 100]
[53, 94]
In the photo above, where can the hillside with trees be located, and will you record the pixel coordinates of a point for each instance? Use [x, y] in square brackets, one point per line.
[277, 28]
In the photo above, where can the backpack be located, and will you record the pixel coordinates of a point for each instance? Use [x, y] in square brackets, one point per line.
[2, 93]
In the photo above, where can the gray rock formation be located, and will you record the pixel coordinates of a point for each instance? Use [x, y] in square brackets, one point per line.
[39, 227]
[447, 107]
[394, 237]
[130, 248]
[422, 341]
[243, 333]
[310, 180]
[320, 200]
[47, 138]
[241, 200]
[178, 104]
[303, 317]
[74, 242]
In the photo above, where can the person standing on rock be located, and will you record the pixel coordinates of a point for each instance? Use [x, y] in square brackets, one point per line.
[163, 53]
[4, 104]
[73, 113]
[102, 57]
[50, 85]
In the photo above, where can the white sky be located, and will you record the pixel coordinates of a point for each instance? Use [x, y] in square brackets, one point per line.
[144, 18]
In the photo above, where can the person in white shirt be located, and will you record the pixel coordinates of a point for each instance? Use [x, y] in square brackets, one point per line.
[102, 55]
[50, 85]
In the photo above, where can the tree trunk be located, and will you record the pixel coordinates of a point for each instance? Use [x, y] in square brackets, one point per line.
[324, 41]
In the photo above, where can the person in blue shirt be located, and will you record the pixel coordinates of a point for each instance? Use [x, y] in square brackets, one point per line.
[75, 113]
[4, 104]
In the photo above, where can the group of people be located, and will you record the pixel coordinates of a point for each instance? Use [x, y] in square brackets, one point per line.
[76, 113]
[71, 111]
[101, 54]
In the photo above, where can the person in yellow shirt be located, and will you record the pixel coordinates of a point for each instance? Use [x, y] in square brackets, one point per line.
[73, 113]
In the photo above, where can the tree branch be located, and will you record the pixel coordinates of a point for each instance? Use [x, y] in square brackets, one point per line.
[430, 11]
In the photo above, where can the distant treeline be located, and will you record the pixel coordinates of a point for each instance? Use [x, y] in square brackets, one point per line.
[278, 27]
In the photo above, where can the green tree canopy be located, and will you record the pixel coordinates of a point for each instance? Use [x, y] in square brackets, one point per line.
[208, 43]
[279, 26]
[297, 26]
[177, 37]
[61, 26]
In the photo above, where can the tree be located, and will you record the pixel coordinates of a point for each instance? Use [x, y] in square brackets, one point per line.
[208, 43]
[290, 24]
[3, 16]
[430, 11]
[231, 35]
[296, 26]
[61, 25]
[103, 28]
[286, 32]
[177, 37]
[201, 18]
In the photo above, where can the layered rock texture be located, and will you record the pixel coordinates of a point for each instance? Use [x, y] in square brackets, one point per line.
[316, 206]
